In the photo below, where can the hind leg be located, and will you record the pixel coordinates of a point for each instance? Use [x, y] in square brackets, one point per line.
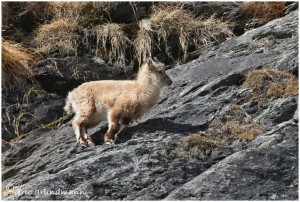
[86, 111]
[79, 130]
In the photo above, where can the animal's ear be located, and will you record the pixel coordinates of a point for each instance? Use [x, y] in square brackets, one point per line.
[150, 63]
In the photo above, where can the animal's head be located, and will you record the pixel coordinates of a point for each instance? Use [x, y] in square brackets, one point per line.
[158, 69]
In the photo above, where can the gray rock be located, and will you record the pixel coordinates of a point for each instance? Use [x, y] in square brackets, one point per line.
[226, 10]
[62, 75]
[264, 173]
[44, 110]
[281, 110]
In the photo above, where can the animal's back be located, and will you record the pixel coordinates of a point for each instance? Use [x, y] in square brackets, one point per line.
[111, 92]
[102, 94]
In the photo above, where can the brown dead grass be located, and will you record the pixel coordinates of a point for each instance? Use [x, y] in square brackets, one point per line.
[170, 27]
[172, 24]
[83, 10]
[58, 35]
[143, 43]
[271, 83]
[265, 11]
[260, 13]
[111, 42]
[69, 19]
[66, 9]
[234, 124]
[195, 146]
[17, 62]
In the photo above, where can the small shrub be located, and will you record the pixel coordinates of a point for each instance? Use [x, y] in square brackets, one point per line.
[262, 12]
[271, 83]
[62, 34]
[234, 124]
[195, 146]
[66, 10]
[266, 11]
[275, 90]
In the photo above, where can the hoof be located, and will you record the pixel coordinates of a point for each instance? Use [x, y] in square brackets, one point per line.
[109, 142]
[83, 145]
[90, 143]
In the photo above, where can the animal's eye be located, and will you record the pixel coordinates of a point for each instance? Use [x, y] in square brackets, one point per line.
[159, 71]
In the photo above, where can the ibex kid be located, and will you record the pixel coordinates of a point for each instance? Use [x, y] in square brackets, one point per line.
[119, 102]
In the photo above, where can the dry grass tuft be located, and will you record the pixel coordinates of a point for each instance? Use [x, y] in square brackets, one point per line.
[195, 146]
[17, 62]
[59, 35]
[169, 28]
[63, 10]
[82, 11]
[271, 83]
[69, 18]
[266, 11]
[292, 88]
[112, 42]
[260, 13]
[143, 43]
[172, 25]
[234, 124]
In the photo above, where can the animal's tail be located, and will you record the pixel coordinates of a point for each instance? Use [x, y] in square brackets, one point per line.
[68, 107]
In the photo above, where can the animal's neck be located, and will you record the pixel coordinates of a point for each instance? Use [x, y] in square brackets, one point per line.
[149, 89]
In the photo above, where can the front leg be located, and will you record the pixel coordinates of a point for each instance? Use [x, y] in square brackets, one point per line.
[109, 134]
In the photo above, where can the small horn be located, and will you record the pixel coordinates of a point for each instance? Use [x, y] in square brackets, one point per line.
[149, 63]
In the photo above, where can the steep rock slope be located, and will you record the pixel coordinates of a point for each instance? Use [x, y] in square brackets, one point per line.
[145, 165]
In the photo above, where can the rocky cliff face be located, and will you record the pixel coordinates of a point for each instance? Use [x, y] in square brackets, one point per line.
[146, 164]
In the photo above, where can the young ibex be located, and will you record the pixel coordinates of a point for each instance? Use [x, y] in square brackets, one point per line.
[119, 102]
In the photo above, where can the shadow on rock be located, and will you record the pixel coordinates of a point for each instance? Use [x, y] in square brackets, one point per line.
[149, 126]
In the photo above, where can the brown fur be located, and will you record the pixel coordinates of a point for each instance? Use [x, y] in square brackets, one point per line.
[121, 102]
